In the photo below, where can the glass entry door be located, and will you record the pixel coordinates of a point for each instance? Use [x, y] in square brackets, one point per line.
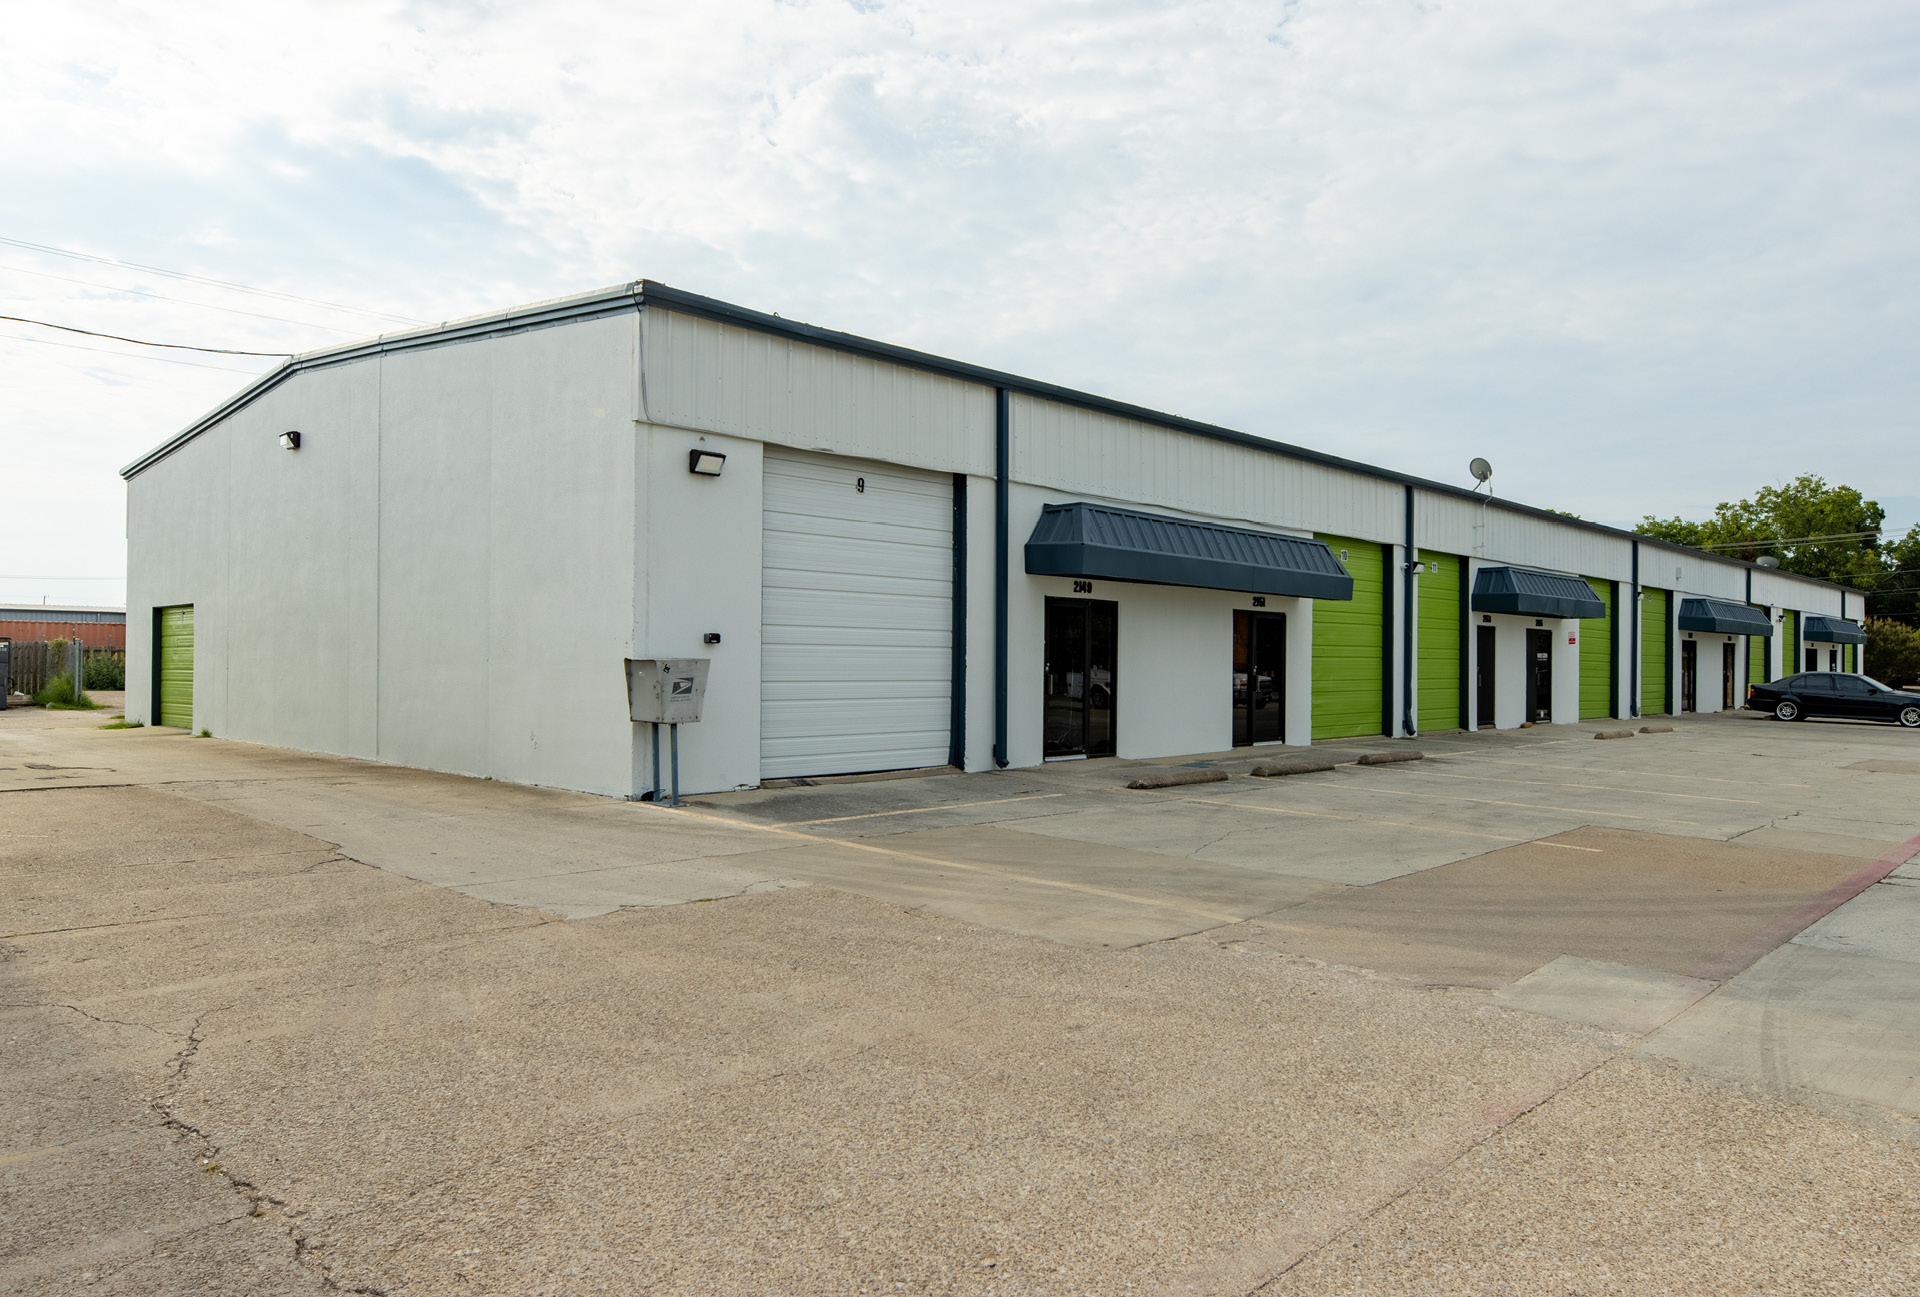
[1081, 669]
[1259, 677]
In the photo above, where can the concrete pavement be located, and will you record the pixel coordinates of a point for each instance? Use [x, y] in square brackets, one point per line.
[1440, 1024]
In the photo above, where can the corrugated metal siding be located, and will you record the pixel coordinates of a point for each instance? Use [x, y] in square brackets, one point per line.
[1654, 633]
[1438, 659]
[1596, 655]
[719, 378]
[1784, 590]
[1065, 448]
[94, 634]
[857, 613]
[1348, 638]
[1497, 536]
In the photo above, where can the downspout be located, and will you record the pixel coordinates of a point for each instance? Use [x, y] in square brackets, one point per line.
[1002, 468]
[1633, 642]
[1406, 629]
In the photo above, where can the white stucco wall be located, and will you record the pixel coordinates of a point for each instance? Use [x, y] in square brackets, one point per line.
[441, 576]
[698, 566]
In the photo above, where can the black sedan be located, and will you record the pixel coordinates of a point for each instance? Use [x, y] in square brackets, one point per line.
[1830, 693]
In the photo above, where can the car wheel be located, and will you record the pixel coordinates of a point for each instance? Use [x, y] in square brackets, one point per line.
[1910, 717]
[1786, 710]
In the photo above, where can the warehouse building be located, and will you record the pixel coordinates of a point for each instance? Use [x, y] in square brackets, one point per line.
[439, 549]
[94, 627]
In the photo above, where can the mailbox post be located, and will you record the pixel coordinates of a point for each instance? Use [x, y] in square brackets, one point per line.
[666, 691]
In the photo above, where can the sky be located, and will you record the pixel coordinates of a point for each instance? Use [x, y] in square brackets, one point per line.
[1643, 257]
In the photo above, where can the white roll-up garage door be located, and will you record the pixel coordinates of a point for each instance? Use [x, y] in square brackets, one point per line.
[857, 616]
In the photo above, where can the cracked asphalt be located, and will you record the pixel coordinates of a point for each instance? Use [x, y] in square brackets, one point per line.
[275, 1025]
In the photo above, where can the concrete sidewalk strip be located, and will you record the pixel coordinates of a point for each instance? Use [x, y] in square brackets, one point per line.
[1612, 997]
[1883, 922]
[1813, 1019]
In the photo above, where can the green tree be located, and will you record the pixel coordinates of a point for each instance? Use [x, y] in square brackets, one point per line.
[1778, 520]
[1893, 651]
[1896, 591]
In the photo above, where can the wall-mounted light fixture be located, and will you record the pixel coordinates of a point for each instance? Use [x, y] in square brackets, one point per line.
[711, 637]
[289, 441]
[707, 463]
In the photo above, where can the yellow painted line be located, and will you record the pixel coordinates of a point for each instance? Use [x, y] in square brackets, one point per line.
[1605, 788]
[7, 1159]
[939, 863]
[917, 810]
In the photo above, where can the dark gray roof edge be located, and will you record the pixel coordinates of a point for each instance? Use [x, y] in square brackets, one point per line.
[644, 292]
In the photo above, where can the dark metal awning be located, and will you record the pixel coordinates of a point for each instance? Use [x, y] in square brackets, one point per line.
[1097, 540]
[1534, 594]
[1832, 630]
[1718, 617]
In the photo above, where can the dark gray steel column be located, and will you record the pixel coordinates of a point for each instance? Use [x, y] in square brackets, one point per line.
[1002, 468]
[957, 716]
[1407, 710]
[1633, 640]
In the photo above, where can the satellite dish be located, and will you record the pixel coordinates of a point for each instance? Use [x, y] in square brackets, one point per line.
[1480, 469]
[1767, 560]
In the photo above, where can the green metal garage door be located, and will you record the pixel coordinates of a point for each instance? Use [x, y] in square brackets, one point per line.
[1791, 658]
[1347, 640]
[1653, 653]
[1596, 656]
[176, 666]
[1757, 657]
[1438, 656]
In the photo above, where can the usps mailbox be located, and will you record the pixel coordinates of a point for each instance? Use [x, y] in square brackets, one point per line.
[666, 691]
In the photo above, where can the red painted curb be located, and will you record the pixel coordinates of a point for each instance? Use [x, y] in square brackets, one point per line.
[1727, 963]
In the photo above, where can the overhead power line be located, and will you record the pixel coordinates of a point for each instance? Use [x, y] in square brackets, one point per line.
[141, 292]
[1790, 540]
[202, 279]
[126, 355]
[141, 342]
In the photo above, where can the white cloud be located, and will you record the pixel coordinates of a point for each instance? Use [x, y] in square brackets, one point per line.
[1644, 256]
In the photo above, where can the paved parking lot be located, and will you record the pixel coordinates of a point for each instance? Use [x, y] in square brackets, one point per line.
[1535, 1014]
